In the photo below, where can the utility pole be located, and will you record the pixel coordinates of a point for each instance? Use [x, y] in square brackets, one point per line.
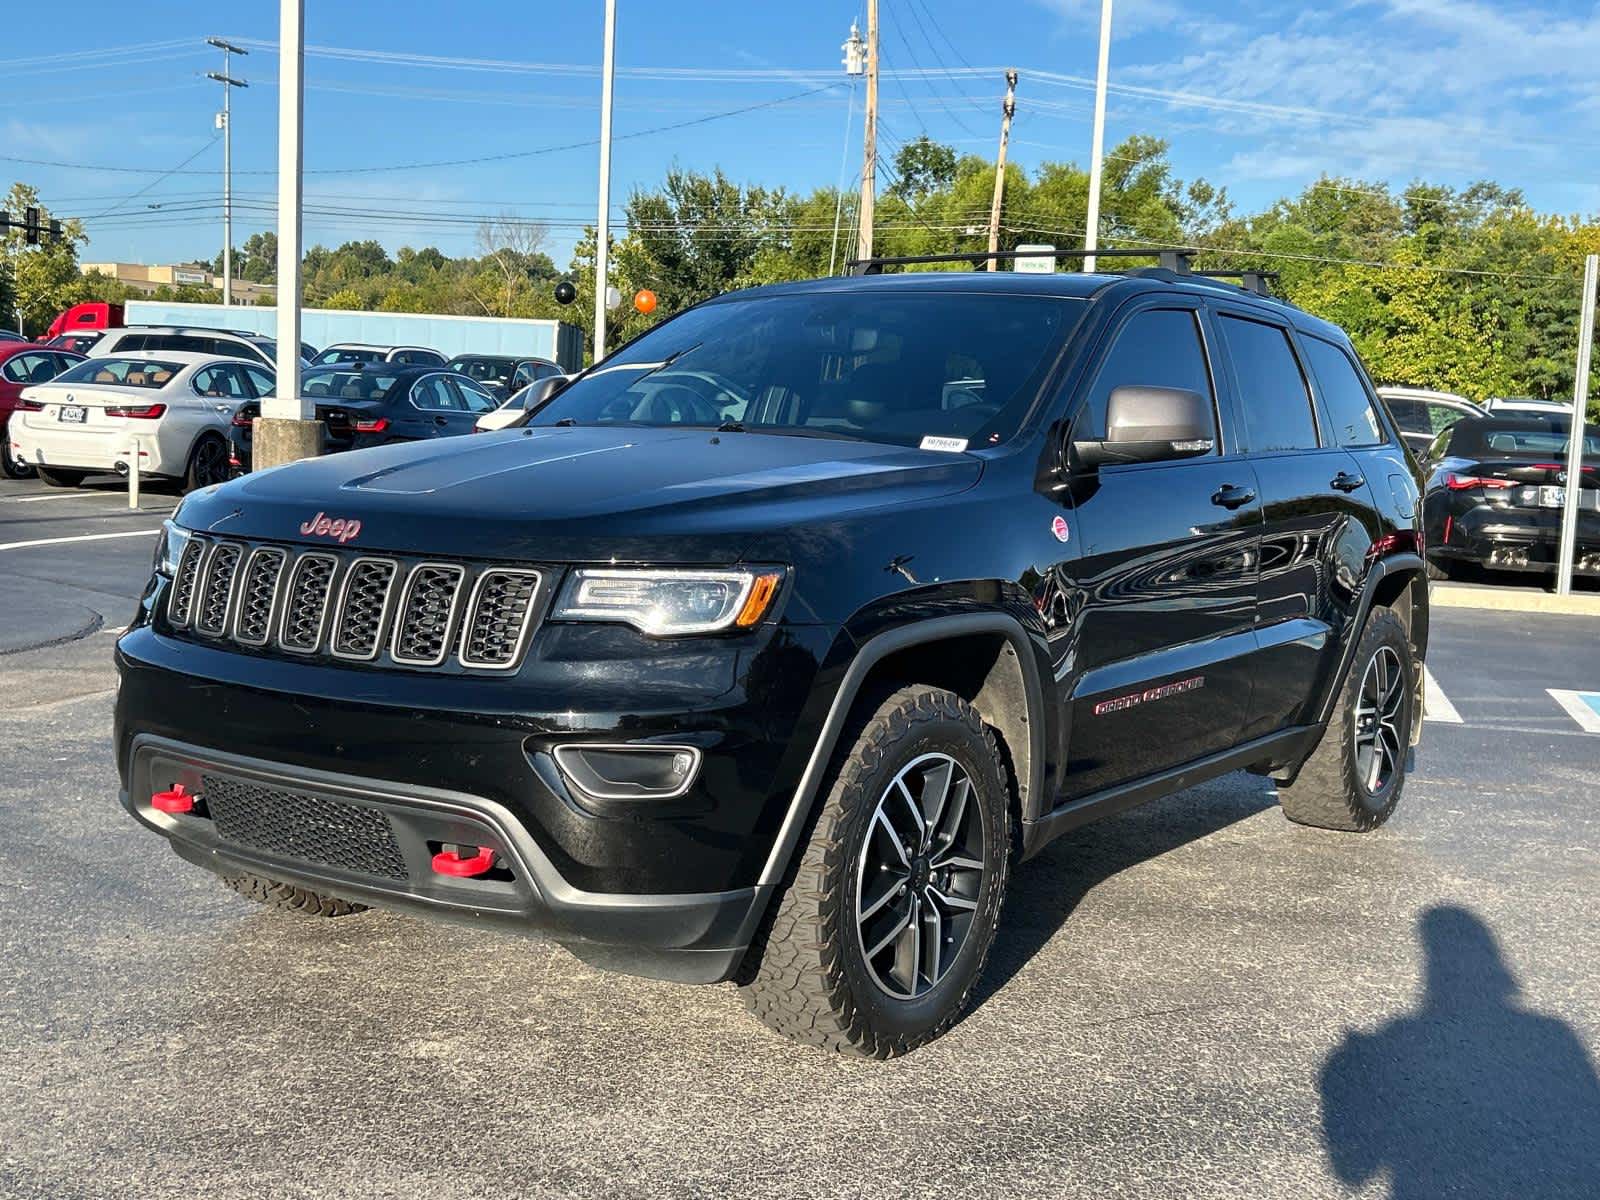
[1091, 232]
[1575, 440]
[602, 244]
[1000, 166]
[854, 64]
[869, 159]
[225, 123]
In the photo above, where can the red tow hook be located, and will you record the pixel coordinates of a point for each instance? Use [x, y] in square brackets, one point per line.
[448, 862]
[178, 800]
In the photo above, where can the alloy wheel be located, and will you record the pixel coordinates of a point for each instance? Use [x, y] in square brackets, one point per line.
[210, 463]
[1378, 746]
[919, 877]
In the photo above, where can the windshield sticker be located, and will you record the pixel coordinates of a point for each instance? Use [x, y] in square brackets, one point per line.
[949, 444]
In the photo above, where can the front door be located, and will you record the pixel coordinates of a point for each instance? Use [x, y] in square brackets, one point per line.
[1167, 576]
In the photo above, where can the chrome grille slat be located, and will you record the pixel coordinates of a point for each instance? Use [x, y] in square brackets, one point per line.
[305, 602]
[498, 617]
[181, 603]
[363, 608]
[258, 595]
[426, 620]
[215, 591]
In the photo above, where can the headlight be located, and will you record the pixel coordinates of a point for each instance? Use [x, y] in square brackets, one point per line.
[663, 603]
[169, 549]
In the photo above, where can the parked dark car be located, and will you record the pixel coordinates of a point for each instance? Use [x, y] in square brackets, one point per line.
[22, 364]
[772, 644]
[503, 374]
[1495, 493]
[376, 404]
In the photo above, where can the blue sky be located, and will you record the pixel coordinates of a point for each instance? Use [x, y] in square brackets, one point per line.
[1261, 97]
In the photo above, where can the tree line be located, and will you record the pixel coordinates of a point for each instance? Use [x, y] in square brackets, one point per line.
[1468, 290]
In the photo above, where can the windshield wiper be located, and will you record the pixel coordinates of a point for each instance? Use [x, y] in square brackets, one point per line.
[731, 427]
[567, 421]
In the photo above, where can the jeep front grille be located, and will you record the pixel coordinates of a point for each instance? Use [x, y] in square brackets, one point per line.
[316, 829]
[359, 608]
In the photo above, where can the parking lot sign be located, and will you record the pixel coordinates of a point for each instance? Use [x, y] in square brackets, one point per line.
[1035, 260]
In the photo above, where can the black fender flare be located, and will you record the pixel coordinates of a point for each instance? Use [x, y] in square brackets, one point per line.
[1393, 564]
[873, 651]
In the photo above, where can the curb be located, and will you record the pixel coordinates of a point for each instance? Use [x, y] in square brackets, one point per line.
[1513, 600]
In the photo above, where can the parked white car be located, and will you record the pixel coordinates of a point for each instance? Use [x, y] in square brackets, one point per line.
[341, 353]
[224, 343]
[174, 410]
[522, 405]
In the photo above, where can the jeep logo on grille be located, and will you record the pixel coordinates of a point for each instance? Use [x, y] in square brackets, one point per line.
[340, 529]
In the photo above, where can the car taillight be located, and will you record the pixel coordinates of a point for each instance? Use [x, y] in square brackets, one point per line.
[29, 406]
[242, 420]
[140, 412]
[375, 425]
[1461, 483]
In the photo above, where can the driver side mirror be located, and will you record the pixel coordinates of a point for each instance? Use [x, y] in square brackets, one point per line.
[1150, 424]
[541, 391]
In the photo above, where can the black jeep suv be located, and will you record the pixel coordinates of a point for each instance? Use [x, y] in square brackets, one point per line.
[776, 640]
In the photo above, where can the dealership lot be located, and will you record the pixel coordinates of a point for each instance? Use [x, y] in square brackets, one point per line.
[1195, 998]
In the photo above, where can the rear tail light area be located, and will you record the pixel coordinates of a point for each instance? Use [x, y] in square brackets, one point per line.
[1463, 483]
[29, 406]
[139, 412]
[373, 425]
[242, 420]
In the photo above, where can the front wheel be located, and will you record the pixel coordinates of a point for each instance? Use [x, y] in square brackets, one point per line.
[888, 918]
[1353, 779]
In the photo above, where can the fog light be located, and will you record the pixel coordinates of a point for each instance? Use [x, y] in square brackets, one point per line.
[629, 772]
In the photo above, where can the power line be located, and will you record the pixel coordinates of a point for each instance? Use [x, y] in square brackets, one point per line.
[128, 199]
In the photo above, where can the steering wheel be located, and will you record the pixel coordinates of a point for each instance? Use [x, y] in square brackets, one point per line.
[677, 404]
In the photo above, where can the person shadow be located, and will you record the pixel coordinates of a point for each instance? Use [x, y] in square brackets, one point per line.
[1473, 1094]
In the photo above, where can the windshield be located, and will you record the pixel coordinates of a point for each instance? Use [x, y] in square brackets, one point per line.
[1549, 439]
[348, 385]
[126, 372]
[870, 365]
[334, 355]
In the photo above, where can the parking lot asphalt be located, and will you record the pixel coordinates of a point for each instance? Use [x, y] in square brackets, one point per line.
[1195, 998]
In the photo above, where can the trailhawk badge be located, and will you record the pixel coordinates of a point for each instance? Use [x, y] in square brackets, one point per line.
[1059, 528]
[340, 529]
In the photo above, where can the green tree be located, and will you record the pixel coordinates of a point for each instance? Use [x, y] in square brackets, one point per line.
[39, 281]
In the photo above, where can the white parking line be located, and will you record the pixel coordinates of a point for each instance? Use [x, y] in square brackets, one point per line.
[1436, 705]
[81, 537]
[1580, 707]
[51, 496]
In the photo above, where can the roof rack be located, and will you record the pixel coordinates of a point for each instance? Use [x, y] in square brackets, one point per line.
[1174, 261]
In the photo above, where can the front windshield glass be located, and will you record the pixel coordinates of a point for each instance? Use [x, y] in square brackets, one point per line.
[124, 372]
[871, 365]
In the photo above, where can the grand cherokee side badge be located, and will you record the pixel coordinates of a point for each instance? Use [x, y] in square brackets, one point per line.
[1059, 528]
[341, 529]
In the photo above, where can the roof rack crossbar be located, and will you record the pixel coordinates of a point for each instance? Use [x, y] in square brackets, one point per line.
[1174, 259]
[1250, 281]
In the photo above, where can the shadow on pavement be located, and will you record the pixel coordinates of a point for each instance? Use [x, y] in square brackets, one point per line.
[1043, 893]
[1473, 1094]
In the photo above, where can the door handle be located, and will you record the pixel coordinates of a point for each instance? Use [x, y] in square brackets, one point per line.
[1346, 482]
[1231, 497]
[440, 421]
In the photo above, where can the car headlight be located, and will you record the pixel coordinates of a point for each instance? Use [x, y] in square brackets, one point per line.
[169, 549]
[668, 602]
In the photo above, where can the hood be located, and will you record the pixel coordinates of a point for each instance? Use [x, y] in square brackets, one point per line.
[580, 493]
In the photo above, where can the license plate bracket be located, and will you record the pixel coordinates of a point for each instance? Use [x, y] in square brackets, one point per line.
[72, 414]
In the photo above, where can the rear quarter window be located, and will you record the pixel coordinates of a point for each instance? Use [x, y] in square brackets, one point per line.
[1350, 411]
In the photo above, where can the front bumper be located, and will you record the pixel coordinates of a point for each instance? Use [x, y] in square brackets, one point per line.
[692, 938]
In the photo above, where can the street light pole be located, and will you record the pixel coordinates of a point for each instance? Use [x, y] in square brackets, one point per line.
[1091, 232]
[225, 120]
[1575, 440]
[602, 246]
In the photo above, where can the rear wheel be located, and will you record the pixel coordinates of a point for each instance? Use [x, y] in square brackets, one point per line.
[1353, 779]
[889, 915]
[287, 898]
[208, 463]
[57, 477]
[9, 466]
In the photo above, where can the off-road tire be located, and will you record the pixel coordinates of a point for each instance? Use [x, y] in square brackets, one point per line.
[287, 898]
[806, 977]
[1329, 791]
[56, 477]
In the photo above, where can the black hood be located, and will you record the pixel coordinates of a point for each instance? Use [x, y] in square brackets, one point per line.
[580, 493]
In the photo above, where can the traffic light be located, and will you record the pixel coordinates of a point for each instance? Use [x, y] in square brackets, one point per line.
[31, 224]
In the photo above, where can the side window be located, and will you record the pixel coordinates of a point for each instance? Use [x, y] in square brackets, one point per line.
[475, 399]
[523, 377]
[1442, 416]
[1410, 415]
[1159, 347]
[1273, 393]
[219, 381]
[1349, 409]
[17, 368]
[134, 341]
[433, 393]
[263, 382]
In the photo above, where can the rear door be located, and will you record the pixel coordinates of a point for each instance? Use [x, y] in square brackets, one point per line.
[1167, 573]
[1319, 517]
